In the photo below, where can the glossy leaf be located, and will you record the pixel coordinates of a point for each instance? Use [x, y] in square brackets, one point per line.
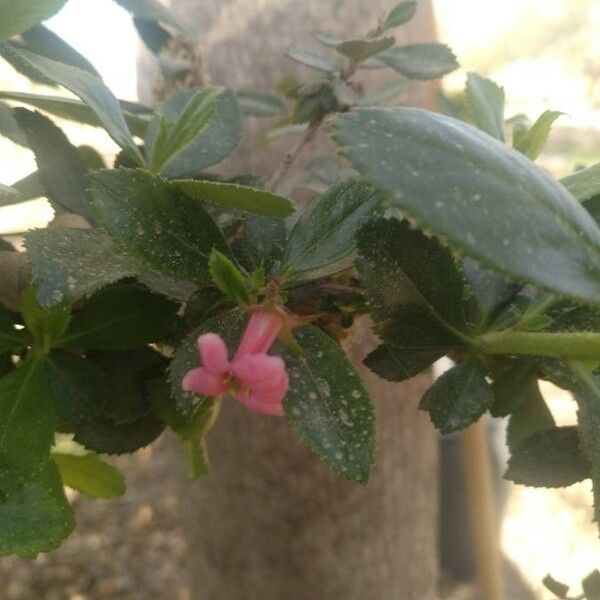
[328, 405]
[458, 398]
[325, 232]
[156, 222]
[312, 59]
[69, 264]
[400, 14]
[89, 475]
[549, 458]
[485, 100]
[459, 183]
[120, 317]
[238, 197]
[360, 50]
[36, 517]
[531, 142]
[26, 425]
[420, 61]
[20, 16]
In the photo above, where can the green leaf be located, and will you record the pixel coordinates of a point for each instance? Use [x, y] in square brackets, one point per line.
[327, 38]
[20, 16]
[26, 189]
[400, 14]
[46, 325]
[486, 100]
[205, 303]
[156, 222]
[459, 183]
[530, 418]
[43, 41]
[9, 128]
[239, 197]
[558, 588]
[153, 10]
[328, 405]
[312, 59]
[126, 377]
[10, 338]
[90, 475]
[69, 264]
[75, 386]
[513, 387]
[385, 93]
[36, 517]
[549, 458]
[420, 61]
[458, 398]
[256, 104]
[60, 168]
[26, 425]
[91, 90]
[584, 184]
[261, 243]
[228, 278]
[137, 118]
[196, 129]
[531, 142]
[591, 585]
[359, 50]
[120, 317]
[325, 232]
[154, 36]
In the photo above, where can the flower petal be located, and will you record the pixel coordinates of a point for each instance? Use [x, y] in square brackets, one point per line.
[203, 382]
[258, 405]
[258, 369]
[213, 353]
[261, 331]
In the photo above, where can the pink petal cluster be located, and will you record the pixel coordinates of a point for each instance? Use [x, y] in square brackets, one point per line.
[258, 380]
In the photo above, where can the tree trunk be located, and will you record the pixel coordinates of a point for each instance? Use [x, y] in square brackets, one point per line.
[270, 522]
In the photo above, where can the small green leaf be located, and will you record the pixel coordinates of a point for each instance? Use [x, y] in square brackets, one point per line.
[69, 264]
[531, 142]
[46, 325]
[92, 91]
[327, 38]
[584, 184]
[60, 168]
[228, 278]
[120, 317]
[328, 405]
[400, 14]
[90, 475]
[239, 197]
[9, 128]
[360, 50]
[20, 16]
[256, 104]
[312, 59]
[549, 458]
[156, 222]
[36, 517]
[420, 61]
[459, 183]
[26, 425]
[556, 587]
[325, 232]
[512, 387]
[486, 100]
[591, 585]
[458, 398]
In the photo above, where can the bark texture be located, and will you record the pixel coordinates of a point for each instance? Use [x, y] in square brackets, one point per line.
[270, 522]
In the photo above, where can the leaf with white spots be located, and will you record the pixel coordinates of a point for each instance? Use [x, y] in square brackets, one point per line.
[483, 198]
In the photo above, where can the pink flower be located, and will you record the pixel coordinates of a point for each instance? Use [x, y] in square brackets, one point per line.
[257, 380]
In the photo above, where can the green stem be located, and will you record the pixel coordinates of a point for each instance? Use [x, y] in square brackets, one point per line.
[577, 345]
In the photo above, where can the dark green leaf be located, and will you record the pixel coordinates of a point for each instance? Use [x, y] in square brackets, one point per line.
[400, 14]
[26, 425]
[90, 475]
[20, 16]
[325, 232]
[9, 128]
[239, 197]
[120, 317]
[204, 304]
[228, 278]
[60, 168]
[513, 387]
[153, 10]
[76, 387]
[69, 264]
[591, 585]
[485, 100]
[311, 59]
[256, 104]
[420, 61]
[584, 184]
[549, 458]
[460, 183]
[93, 92]
[37, 517]
[359, 50]
[261, 243]
[328, 405]
[137, 117]
[531, 142]
[458, 398]
[152, 34]
[10, 338]
[46, 325]
[156, 222]
[26, 189]
[405, 357]
[556, 587]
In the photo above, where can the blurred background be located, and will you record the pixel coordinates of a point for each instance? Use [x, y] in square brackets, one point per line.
[546, 54]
